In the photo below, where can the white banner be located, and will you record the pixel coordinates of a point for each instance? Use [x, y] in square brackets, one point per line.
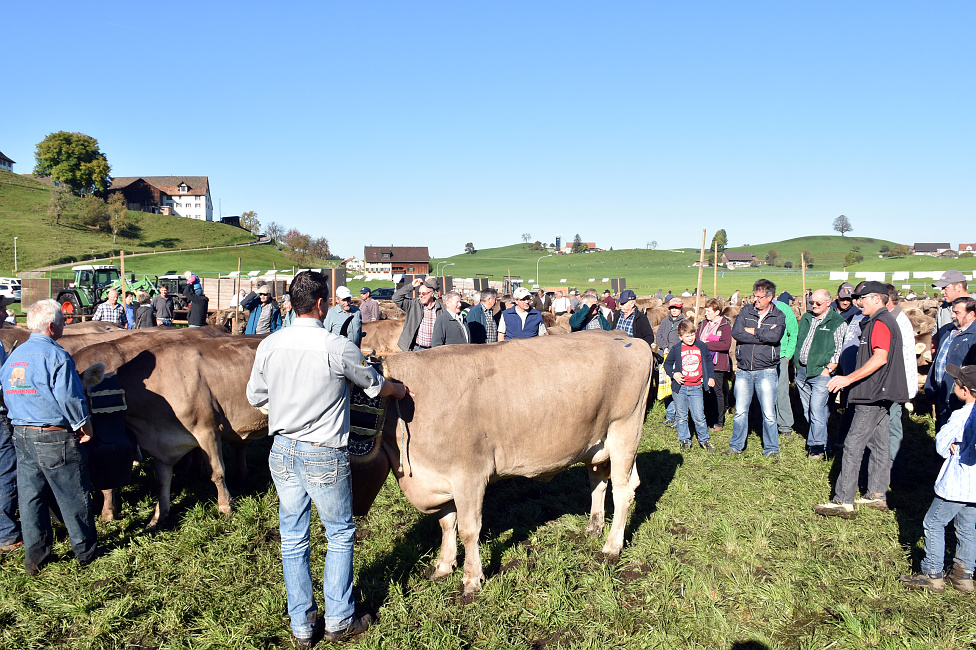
[935, 275]
[839, 275]
[906, 286]
[900, 275]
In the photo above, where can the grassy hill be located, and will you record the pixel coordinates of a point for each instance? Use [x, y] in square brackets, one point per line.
[647, 271]
[23, 214]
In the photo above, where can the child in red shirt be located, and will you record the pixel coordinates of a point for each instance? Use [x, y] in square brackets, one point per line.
[694, 374]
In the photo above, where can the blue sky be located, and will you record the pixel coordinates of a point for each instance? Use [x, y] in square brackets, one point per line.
[440, 123]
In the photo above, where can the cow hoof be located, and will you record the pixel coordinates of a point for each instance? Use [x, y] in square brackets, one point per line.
[612, 556]
[439, 573]
[471, 585]
[225, 511]
[595, 529]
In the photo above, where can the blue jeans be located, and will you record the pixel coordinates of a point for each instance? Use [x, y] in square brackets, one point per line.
[814, 396]
[763, 384]
[57, 460]
[691, 399]
[304, 473]
[669, 407]
[9, 526]
[940, 513]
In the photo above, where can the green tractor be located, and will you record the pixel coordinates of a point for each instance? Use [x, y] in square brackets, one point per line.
[91, 286]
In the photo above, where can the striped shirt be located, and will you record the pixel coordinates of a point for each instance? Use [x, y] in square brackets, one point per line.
[111, 314]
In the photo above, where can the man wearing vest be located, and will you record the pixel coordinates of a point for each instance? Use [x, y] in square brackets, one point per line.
[521, 321]
[877, 381]
[820, 339]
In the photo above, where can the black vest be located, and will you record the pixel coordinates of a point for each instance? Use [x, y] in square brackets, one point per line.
[887, 383]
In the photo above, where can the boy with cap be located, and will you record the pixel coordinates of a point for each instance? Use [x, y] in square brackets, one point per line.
[955, 495]
[667, 338]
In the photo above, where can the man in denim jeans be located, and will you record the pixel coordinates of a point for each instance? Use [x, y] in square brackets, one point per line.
[758, 329]
[820, 340]
[301, 374]
[46, 401]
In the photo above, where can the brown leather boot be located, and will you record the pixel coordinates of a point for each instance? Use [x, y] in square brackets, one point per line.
[961, 580]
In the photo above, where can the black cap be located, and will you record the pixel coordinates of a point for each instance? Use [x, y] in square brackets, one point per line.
[871, 287]
[966, 375]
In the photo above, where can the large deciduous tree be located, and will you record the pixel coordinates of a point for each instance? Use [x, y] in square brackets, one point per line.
[92, 212]
[249, 222]
[842, 224]
[75, 160]
[722, 239]
[526, 237]
[469, 248]
[275, 231]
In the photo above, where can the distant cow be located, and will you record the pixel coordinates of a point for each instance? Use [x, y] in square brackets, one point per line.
[444, 458]
[380, 337]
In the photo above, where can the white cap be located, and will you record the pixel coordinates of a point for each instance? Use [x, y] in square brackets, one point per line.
[343, 292]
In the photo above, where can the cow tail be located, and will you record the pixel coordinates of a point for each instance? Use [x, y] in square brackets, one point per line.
[403, 440]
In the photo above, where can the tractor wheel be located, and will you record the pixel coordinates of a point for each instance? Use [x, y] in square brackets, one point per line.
[70, 307]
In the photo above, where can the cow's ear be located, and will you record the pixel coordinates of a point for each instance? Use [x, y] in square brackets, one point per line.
[93, 375]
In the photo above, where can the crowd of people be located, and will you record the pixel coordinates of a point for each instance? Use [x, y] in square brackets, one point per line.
[858, 346]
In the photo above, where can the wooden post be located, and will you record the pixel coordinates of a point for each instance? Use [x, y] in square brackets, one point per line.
[803, 275]
[122, 262]
[698, 290]
[237, 309]
[715, 272]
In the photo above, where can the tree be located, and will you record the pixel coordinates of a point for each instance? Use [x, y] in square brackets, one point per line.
[653, 244]
[526, 237]
[884, 250]
[58, 204]
[299, 245]
[118, 214]
[249, 221]
[853, 258]
[842, 224]
[578, 245]
[274, 231]
[319, 247]
[900, 250]
[771, 257]
[75, 160]
[788, 264]
[721, 238]
[469, 248]
[92, 212]
[856, 248]
[807, 257]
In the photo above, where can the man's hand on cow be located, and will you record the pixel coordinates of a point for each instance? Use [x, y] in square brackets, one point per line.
[838, 383]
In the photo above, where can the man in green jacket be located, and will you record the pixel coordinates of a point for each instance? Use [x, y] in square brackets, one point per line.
[821, 338]
[787, 345]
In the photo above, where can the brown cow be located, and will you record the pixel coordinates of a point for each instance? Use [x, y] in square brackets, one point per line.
[380, 337]
[187, 394]
[444, 458]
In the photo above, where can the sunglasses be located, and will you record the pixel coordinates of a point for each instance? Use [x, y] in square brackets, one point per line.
[820, 304]
[264, 295]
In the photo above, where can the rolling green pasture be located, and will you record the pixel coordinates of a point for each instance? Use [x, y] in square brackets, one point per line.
[720, 553]
[23, 214]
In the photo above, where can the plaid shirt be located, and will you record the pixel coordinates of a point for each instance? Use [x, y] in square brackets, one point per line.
[491, 327]
[626, 323]
[426, 332]
[942, 355]
[108, 313]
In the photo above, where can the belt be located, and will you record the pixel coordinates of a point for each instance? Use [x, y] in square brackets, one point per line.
[48, 428]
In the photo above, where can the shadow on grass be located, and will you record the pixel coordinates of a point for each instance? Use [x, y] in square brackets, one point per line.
[163, 242]
[912, 487]
[518, 506]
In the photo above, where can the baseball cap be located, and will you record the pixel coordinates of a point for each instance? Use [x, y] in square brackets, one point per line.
[966, 375]
[343, 292]
[949, 277]
[521, 293]
[676, 302]
[845, 290]
[626, 295]
[364, 291]
[871, 287]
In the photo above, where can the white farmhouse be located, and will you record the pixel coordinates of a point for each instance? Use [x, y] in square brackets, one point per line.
[183, 196]
[6, 163]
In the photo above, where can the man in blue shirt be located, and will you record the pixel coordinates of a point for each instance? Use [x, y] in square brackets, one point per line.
[46, 402]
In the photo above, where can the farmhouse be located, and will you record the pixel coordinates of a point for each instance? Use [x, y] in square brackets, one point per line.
[6, 163]
[183, 196]
[935, 250]
[739, 259]
[353, 264]
[967, 248]
[383, 262]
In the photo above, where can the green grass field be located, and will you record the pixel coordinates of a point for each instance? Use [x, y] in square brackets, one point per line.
[720, 553]
[23, 214]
